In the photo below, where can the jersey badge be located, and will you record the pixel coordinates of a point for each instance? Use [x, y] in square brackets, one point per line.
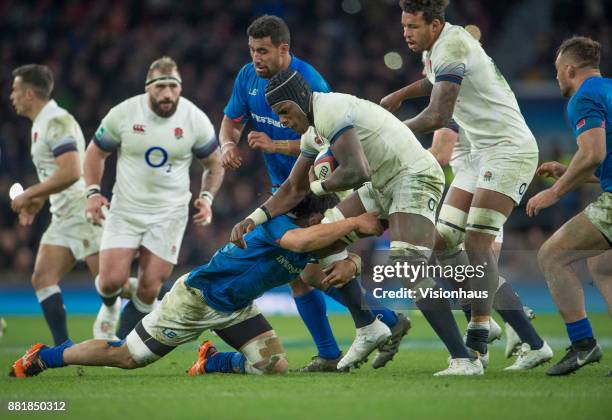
[178, 133]
[139, 128]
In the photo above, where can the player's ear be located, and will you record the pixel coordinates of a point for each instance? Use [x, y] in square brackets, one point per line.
[315, 219]
[571, 71]
[284, 48]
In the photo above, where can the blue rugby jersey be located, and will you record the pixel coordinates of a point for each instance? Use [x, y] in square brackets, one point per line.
[591, 107]
[248, 103]
[234, 277]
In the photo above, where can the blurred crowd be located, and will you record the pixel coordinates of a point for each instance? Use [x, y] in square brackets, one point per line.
[100, 51]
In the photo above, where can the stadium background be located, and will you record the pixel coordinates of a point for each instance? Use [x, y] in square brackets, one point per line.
[100, 51]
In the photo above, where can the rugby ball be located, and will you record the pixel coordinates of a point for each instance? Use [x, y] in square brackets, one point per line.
[324, 164]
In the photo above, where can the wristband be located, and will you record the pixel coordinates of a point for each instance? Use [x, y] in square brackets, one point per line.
[281, 146]
[317, 188]
[93, 189]
[355, 259]
[207, 196]
[259, 216]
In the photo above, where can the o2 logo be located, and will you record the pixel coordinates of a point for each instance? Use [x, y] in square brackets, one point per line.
[156, 157]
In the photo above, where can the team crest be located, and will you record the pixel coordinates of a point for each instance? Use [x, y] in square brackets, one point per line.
[178, 133]
[139, 128]
[86, 243]
[487, 176]
[318, 140]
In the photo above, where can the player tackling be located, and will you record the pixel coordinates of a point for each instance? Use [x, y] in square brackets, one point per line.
[156, 135]
[219, 296]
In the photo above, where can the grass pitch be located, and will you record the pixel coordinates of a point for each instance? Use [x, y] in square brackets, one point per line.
[404, 389]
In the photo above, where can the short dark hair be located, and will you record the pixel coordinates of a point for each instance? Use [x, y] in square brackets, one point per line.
[38, 77]
[432, 9]
[272, 26]
[312, 204]
[584, 51]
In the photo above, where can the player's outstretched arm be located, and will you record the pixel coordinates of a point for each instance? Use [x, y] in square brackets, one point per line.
[68, 172]
[289, 194]
[591, 152]
[418, 89]
[261, 141]
[212, 178]
[229, 136]
[353, 167]
[439, 111]
[323, 235]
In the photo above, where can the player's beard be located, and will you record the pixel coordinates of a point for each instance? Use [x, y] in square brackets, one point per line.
[156, 107]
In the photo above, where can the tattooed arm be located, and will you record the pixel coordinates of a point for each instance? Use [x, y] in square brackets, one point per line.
[439, 111]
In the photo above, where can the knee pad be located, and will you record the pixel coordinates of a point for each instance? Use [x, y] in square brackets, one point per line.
[451, 225]
[487, 221]
[263, 354]
[335, 215]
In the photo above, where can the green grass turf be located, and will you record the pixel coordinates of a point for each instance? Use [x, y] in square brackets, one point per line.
[404, 389]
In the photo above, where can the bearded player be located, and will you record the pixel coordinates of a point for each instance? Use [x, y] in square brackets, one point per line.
[156, 135]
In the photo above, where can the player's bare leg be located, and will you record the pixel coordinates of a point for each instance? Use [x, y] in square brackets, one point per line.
[576, 240]
[52, 263]
[152, 272]
[115, 265]
[601, 270]
[488, 212]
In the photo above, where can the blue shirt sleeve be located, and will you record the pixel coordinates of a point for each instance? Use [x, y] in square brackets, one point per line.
[237, 108]
[277, 227]
[586, 112]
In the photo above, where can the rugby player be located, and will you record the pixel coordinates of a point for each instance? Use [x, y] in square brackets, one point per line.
[521, 337]
[57, 150]
[156, 136]
[369, 144]
[463, 83]
[589, 233]
[269, 44]
[219, 296]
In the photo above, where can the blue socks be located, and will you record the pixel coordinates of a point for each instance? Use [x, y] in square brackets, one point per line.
[225, 362]
[52, 305]
[579, 330]
[313, 311]
[53, 357]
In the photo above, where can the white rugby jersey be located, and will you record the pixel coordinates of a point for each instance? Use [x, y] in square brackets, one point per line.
[486, 109]
[154, 153]
[388, 144]
[54, 132]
